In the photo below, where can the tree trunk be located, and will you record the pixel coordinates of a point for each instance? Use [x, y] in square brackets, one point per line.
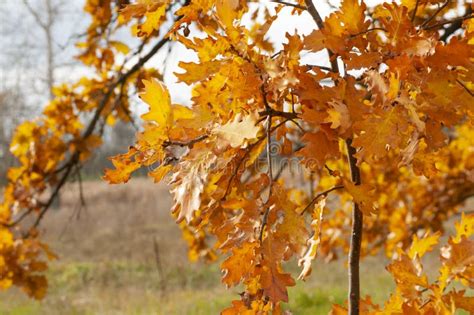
[356, 237]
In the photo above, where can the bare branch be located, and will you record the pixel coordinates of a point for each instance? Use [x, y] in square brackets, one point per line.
[294, 5]
[35, 15]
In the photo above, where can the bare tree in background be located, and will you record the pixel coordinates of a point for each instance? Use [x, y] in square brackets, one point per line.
[29, 55]
[46, 18]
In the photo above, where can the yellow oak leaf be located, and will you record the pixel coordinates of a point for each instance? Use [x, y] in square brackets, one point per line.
[459, 256]
[120, 46]
[153, 20]
[353, 15]
[158, 98]
[420, 246]
[464, 228]
[160, 172]
[461, 301]
[227, 11]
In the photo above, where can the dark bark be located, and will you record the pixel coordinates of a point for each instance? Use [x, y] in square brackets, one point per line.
[356, 237]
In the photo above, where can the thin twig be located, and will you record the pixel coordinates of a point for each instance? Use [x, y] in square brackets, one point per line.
[159, 266]
[320, 67]
[367, 31]
[189, 143]
[428, 20]
[465, 87]
[459, 19]
[247, 151]
[82, 200]
[323, 194]
[413, 16]
[276, 54]
[270, 175]
[294, 5]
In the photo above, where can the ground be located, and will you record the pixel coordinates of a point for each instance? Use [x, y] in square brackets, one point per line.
[108, 265]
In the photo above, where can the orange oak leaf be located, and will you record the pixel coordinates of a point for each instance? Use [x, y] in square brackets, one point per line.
[124, 167]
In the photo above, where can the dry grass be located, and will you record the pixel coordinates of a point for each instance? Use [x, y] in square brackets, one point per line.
[107, 263]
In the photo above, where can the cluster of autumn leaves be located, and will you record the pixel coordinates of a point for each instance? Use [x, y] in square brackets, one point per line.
[395, 87]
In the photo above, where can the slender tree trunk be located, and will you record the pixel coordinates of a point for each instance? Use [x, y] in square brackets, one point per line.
[356, 237]
[357, 216]
[50, 48]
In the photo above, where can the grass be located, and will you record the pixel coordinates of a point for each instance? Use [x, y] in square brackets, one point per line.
[134, 288]
[107, 263]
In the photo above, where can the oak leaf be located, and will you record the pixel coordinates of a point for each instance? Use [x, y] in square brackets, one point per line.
[158, 98]
[314, 241]
[124, 165]
[363, 196]
[188, 183]
[238, 132]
